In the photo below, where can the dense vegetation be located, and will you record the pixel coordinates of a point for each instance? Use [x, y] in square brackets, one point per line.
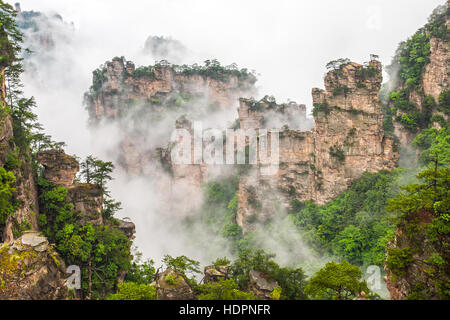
[406, 72]
[211, 69]
[101, 251]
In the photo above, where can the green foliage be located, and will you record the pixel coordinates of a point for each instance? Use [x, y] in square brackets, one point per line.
[10, 37]
[336, 281]
[133, 291]
[98, 172]
[144, 72]
[398, 260]
[321, 107]
[101, 251]
[218, 213]
[355, 226]
[444, 102]
[171, 280]
[213, 69]
[7, 203]
[431, 194]
[223, 290]
[413, 55]
[291, 281]
[337, 64]
[221, 262]
[13, 159]
[341, 90]
[337, 153]
[182, 265]
[141, 272]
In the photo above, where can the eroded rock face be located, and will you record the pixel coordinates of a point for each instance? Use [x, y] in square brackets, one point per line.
[127, 227]
[214, 274]
[25, 216]
[31, 270]
[318, 165]
[60, 168]
[120, 85]
[88, 200]
[172, 286]
[435, 76]
[261, 286]
[349, 135]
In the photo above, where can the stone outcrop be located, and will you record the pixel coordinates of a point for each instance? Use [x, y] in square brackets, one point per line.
[60, 168]
[214, 274]
[171, 285]
[128, 228]
[88, 200]
[435, 75]
[120, 83]
[30, 269]
[261, 286]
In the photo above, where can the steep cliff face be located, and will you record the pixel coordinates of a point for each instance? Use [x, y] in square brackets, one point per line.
[348, 139]
[145, 102]
[25, 217]
[61, 169]
[423, 90]
[349, 135]
[119, 81]
[417, 259]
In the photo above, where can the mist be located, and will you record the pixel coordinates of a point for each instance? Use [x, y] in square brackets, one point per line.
[288, 43]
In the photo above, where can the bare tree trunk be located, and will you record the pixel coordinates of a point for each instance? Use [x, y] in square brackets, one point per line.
[2, 85]
[90, 277]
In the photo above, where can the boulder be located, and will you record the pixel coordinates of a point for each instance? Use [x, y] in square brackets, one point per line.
[261, 286]
[213, 274]
[60, 168]
[171, 285]
[30, 269]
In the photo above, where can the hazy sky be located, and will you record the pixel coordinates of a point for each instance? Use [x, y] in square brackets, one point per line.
[288, 42]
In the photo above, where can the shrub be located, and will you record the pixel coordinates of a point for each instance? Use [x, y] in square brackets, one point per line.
[133, 291]
[398, 260]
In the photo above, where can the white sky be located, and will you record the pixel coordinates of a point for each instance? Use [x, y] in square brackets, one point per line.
[288, 42]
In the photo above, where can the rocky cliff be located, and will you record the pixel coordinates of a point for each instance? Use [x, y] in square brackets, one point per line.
[146, 102]
[420, 101]
[25, 217]
[317, 165]
[417, 258]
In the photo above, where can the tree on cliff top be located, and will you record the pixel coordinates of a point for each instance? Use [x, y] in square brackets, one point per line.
[336, 281]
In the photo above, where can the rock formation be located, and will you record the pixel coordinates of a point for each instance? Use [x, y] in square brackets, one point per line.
[60, 168]
[31, 270]
[317, 165]
[25, 216]
[261, 286]
[171, 285]
[214, 274]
